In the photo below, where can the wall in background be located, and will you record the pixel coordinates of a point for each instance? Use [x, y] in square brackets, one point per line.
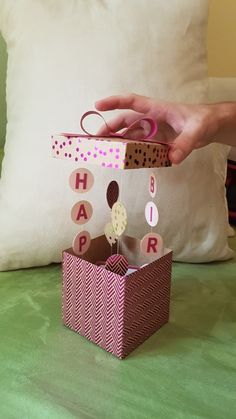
[3, 61]
[221, 49]
[222, 38]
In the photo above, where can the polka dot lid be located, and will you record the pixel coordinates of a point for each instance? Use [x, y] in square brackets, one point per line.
[110, 153]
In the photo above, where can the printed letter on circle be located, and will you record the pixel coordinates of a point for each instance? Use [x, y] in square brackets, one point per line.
[81, 180]
[81, 212]
[152, 245]
[151, 214]
[152, 185]
[81, 243]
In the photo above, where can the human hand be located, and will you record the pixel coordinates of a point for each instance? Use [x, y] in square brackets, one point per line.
[184, 127]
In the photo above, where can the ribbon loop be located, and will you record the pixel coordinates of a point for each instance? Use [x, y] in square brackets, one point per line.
[151, 133]
[85, 115]
[153, 128]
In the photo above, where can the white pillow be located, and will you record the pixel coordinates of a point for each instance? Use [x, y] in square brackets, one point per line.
[62, 56]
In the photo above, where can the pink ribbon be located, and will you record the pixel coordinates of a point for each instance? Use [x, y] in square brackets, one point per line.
[153, 128]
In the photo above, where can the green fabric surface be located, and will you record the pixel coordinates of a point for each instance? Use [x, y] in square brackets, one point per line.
[186, 370]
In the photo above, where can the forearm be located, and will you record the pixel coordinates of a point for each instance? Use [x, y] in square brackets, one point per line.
[225, 116]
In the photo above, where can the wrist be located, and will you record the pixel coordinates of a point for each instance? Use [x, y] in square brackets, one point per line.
[225, 122]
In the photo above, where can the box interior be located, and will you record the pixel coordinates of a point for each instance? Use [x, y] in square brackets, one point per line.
[100, 250]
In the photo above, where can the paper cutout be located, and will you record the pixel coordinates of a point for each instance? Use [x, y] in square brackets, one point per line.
[152, 185]
[152, 244]
[131, 268]
[151, 214]
[110, 234]
[152, 125]
[112, 193]
[117, 264]
[81, 243]
[119, 218]
[81, 212]
[81, 180]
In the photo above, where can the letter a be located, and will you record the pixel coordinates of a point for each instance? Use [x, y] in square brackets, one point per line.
[81, 213]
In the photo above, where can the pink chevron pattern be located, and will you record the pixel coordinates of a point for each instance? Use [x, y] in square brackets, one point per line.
[117, 264]
[117, 313]
[68, 270]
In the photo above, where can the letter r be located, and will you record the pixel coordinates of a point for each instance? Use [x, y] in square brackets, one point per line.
[152, 245]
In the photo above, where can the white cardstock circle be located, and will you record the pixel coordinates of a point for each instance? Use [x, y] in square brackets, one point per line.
[151, 214]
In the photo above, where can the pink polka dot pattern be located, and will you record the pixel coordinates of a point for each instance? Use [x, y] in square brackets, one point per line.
[110, 153]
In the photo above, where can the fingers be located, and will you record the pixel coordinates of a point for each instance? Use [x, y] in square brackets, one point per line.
[134, 102]
[176, 155]
[183, 145]
[179, 122]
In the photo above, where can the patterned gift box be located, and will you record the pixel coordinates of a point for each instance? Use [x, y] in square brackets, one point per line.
[110, 152]
[116, 312]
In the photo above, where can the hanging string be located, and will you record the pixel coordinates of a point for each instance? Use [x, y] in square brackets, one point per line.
[120, 199]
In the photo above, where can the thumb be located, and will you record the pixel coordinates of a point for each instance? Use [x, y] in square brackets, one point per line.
[182, 146]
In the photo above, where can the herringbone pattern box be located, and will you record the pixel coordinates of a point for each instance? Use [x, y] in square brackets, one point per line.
[117, 313]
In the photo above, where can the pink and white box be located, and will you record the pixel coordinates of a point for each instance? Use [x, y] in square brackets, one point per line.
[116, 312]
[115, 308]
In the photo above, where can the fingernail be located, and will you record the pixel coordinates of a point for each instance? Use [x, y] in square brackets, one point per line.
[176, 156]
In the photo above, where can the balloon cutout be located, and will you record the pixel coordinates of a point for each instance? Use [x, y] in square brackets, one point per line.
[119, 218]
[152, 185]
[110, 234]
[152, 245]
[81, 212]
[81, 180]
[151, 214]
[81, 243]
[117, 264]
[112, 193]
